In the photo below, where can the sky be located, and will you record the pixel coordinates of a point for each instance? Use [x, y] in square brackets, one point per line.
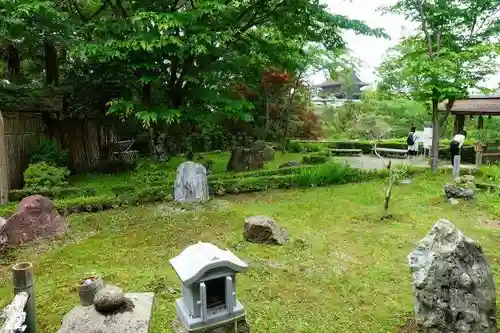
[371, 50]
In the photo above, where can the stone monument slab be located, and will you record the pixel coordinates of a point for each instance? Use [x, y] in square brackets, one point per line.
[133, 319]
[191, 183]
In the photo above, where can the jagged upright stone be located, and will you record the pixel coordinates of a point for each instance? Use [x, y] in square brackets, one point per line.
[191, 183]
[453, 286]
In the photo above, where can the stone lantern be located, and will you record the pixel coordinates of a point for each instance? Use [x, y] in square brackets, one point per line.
[208, 300]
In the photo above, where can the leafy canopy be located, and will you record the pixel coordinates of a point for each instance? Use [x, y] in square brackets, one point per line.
[184, 57]
[454, 49]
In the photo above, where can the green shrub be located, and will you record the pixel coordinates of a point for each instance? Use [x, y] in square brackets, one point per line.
[149, 173]
[155, 193]
[114, 166]
[43, 175]
[325, 174]
[315, 159]
[294, 147]
[49, 153]
[123, 190]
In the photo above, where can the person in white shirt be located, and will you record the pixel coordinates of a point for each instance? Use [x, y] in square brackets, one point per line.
[456, 144]
[412, 143]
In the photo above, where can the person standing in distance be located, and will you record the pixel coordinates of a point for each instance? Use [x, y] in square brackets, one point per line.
[456, 145]
[412, 143]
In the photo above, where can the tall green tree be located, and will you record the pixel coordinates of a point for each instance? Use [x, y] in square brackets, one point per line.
[184, 57]
[455, 47]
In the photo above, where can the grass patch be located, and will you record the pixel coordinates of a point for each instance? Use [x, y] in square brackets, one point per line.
[350, 277]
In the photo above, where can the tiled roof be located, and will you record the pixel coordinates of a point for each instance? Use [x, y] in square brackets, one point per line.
[475, 105]
[330, 82]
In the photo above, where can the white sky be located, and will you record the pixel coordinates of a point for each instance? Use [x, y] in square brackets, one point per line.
[368, 49]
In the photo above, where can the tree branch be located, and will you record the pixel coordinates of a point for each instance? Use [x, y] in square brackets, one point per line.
[424, 29]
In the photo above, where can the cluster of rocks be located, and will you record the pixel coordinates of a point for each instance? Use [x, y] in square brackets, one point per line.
[461, 188]
[253, 158]
[453, 285]
[35, 218]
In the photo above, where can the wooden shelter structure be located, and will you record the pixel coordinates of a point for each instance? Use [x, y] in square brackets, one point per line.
[478, 107]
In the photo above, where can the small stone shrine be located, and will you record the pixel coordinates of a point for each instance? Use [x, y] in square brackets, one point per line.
[208, 282]
[453, 285]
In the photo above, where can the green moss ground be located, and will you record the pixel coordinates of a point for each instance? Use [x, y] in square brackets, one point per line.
[344, 271]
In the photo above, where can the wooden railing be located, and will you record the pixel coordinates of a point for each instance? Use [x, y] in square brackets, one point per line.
[20, 314]
[487, 152]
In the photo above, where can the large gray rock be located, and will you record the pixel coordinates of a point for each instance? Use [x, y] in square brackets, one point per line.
[191, 183]
[109, 299]
[264, 230]
[245, 159]
[134, 319]
[453, 286]
[462, 187]
[268, 153]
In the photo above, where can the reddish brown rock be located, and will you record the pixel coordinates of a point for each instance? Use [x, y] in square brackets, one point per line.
[36, 218]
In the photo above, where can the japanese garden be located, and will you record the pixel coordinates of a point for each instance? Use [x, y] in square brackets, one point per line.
[177, 166]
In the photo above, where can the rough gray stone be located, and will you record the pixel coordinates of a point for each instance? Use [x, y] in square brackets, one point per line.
[242, 327]
[453, 286]
[108, 299]
[462, 187]
[259, 145]
[268, 153]
[85, 319]
[245, 159]
[191, 183]
[290, 164]
[264, 230]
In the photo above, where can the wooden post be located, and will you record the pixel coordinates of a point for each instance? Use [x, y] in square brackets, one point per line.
[456, 167]
[4, 165]
[480, 122]
[458, 123]
[24, 281]
[479, 154]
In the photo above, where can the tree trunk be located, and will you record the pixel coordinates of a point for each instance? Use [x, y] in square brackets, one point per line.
[388, 191]
[51, 63]
[288, 114]
[435, 135]
[157, 145]
[13, 63]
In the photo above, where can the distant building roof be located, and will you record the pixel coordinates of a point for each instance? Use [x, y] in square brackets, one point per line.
[477, 104]
[330, 83]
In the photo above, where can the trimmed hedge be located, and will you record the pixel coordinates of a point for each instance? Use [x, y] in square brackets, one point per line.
[254, 181]
[52, 193]
[315, 159]
[468, 153]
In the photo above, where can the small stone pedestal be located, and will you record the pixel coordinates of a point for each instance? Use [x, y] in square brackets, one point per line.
[86, 319]
[241, 327]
